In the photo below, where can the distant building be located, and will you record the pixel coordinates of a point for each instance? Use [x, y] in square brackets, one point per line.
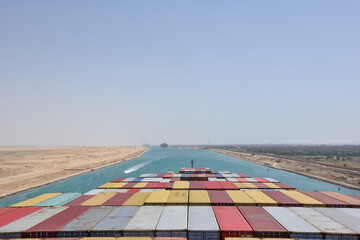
[163, 145]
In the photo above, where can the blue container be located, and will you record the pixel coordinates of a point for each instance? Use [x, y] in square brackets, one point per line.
[59, 200]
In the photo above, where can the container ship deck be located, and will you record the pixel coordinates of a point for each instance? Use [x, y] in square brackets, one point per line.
[194, 204]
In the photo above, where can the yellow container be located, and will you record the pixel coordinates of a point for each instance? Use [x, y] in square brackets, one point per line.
[140, 185]
[178, 197]
[36, 200]
[240, 198]
[98, 238]
[304, 199]
[181, 185]
[199, 198]
[117, 185]
[157, 198]
[133, 238]
[137, 199]
[261, 199]
[97, 200]
[240, 185]
[249, 185]
[271, 185]
[108, 185]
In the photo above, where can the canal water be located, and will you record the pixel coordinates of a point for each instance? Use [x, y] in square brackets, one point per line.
[161, 160]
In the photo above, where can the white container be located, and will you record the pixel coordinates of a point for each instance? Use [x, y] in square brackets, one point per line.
[231, 179]
[94, 192]
[348, 220]
[251, 180]
[202, 224]
[271, 180]
[173, 222]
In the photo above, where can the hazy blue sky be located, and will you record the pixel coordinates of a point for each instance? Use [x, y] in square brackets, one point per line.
[184, 72]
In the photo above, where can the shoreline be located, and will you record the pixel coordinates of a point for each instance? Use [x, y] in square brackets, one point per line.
[342, 184]
[126, 158]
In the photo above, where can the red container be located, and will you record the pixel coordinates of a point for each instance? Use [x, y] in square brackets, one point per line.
[169, 185]
[49, 227]
[241, 179]
[160, 175]
[78, 200]
[329, 201]
[134, 190]
[283, 199]
[284, 186]
[209, 175]
[197, 171]
[16, 214]
[118, 180]
[168, 175]
[212, 185]
[227, 185]
[6, 210]
[261, 185]
[202, 177]
[262, 223]
[175, 179]
[193, 185]
[129, 185]
[162, 185]
[151, 185]
[219, 198]
[231, 222]
[354, 196]
[118, 199]
[193, 177]
[261, 180]
[243, 175]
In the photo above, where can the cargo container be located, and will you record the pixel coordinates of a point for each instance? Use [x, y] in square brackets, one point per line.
[282, 199]
[209, 175]
[272, 185]
[260, 185]
[219, 175]
[262, 223]
[118, 185]
[202, 177]
[160, 175]
[36, 200]
[165, 180]
[347, 220]
[344, 198]
[261, 180]
[12, 216]
[261, 199]
[78, 201]
[14, 229]
[240, 198]
[242, 175]
[118, 199]
[249, 185]
[330, 228]
[228, 185]
[351, 211]
[328, 201]
[296, 226]
[151, 185]
[302, 198]
[196, 185]
[178, 197]
[94, 191]
[99, 199]
[118, 180]
[129, 179]
[148, 190]
[271, 180]
[199, 198]
[140, 185]
[6, 210]
[177, 175]
[137, 199]
[235, 175]
[252, 180]
[181, 185]
[202, 224]
[240, 185]
[50, 226]
[161, 185]
[231, 222]
[231, 179]
[212, 185]
[242, 180]
[129, 185]
[284, 186]
[81, 225]
[354, 196]
[168, 175]
[170, 185]
[144, 223]
[157, 198]
[109, 184]
[139, 179]
[59, 200]
[172, 222]
[133, 190]
[114, 223]
[219, 198]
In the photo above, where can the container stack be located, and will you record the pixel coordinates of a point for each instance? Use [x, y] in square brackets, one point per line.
[194, 204]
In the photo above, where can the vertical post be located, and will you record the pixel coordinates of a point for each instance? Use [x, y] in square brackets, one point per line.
[192, 163]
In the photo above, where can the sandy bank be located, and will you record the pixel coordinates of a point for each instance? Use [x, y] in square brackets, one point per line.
[25, 168]
[342, 177]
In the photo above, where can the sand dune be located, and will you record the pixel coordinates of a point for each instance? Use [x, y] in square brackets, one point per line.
[24, 168]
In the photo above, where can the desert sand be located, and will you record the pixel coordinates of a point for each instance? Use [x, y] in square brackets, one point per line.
[25, 168]
[343, 177]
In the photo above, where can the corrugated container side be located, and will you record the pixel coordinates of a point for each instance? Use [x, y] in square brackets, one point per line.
[36, 200]
[231, 222]
[239, 198]
[219, 198]
[260, 185]
[261, 180]
[78, 201]
[344, 198]
[212, 185]
[137, 199]
[295, 225]
[6, 210]
[196, 185]
[178, 197]
[249, 185]
[97, 200]
[304, 199]
[262, 223]
[14, 229]
[113, 224]
[157, 198]
[341, 217]
[133, 190]
[272, 185]
[118, 180]
[144, 223]
[49, 227]
[329, 201]
[173, 222]
[261, 199]
[284, 186]
[118, 199]
[202, 224]
[94, 191]
[283, 199]
[199, 198]
[228, 185]
[81, 225]
[12, 216]
[181, 185]
[59, 200]
[271, 180]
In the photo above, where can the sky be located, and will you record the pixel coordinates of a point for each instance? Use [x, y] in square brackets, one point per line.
[182, 72]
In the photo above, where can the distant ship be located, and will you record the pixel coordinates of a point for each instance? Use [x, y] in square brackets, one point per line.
[163, 145]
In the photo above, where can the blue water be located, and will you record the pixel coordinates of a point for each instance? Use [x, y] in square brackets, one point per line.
[160, 160]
